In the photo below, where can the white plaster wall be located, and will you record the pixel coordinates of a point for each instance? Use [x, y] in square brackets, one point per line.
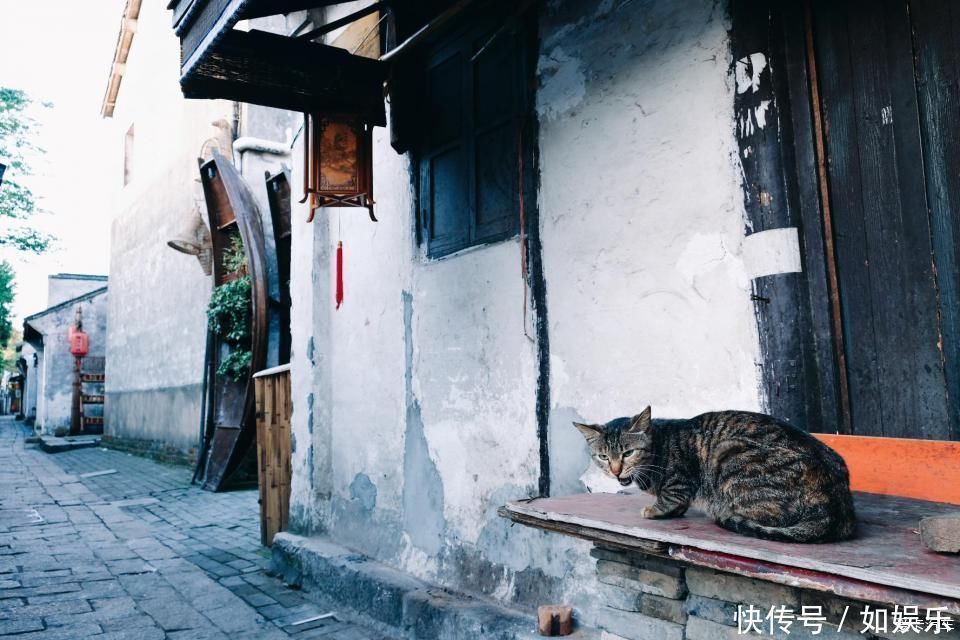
[643, 224]
[64, 286]
[158, 296]
[29, 406]
[414, 411]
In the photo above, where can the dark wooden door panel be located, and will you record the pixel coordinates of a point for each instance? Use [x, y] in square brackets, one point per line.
[888, 289]
[936, 24]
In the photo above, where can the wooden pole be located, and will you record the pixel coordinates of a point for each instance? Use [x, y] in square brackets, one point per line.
[75, 415]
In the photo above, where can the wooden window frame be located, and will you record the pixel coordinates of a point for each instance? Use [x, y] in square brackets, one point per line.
[461, 42]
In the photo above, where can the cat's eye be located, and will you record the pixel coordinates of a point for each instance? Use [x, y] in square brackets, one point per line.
[602, 457]
[629, 452]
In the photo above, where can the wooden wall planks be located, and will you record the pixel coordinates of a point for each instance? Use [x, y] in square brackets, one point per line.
[881, 78]
[274, 408]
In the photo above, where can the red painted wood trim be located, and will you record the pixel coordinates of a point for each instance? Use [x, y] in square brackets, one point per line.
[809, 579]
[920, 469]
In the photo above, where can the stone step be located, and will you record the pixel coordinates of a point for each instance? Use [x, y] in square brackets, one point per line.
[401, 604]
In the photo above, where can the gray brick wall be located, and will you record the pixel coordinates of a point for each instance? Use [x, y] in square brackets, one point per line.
[652, 598]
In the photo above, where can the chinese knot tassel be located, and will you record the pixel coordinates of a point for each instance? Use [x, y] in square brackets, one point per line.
[339, 274]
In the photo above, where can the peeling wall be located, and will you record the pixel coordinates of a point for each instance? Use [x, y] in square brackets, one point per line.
[648, 296]
[415, 403]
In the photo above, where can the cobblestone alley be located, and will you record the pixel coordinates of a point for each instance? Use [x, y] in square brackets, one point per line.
[136, 553]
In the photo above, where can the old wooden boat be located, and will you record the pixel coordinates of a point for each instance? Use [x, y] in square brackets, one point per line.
[228, 453]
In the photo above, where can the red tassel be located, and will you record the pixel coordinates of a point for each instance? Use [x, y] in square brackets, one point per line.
[339, 274]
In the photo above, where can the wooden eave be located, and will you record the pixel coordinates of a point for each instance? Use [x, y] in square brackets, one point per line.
[276, 71]
[128, 27]
[269, 69]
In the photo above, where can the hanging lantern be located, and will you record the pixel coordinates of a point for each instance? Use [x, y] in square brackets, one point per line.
[79, 342]
[337, 162]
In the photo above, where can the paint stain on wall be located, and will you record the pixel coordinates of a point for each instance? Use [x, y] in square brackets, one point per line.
[422, 487]
[563, 84]
[364, 491]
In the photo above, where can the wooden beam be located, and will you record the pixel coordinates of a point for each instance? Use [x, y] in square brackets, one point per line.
[287, 73]
[313, 34]
[263, 8]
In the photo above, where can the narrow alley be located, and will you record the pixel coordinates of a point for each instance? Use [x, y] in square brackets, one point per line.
[100, 544]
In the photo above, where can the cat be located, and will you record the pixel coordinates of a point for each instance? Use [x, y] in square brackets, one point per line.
[751, 473]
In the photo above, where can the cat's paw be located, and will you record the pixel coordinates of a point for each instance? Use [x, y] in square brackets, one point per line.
[650, 512]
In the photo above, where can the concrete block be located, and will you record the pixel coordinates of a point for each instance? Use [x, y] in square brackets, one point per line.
[737, 589]
[699, 628]
[664, 608]
[941, 533]
[648, 604]
[615, 597]
[637, 626]
[718, 611]
[703, 629]
[640, 560]
[834, 608]
[645, 580]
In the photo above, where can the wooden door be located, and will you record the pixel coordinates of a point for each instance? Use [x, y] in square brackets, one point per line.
[887, 74]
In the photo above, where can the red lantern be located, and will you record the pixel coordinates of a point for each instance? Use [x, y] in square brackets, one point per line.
[79, 342]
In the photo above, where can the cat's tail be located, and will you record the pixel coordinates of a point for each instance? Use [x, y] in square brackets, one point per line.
[808, 530]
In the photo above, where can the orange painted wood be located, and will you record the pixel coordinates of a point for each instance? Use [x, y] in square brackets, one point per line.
[921, 469]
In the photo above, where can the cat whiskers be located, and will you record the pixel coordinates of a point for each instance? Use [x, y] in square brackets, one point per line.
[649, 473]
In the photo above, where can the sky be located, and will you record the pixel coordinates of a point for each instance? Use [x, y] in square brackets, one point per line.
[61, 51]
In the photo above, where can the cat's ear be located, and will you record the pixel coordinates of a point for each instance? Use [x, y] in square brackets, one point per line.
[640, 422]
[589, 431]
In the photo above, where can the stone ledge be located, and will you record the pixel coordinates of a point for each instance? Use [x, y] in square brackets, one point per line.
[396, 602]
[53, 444]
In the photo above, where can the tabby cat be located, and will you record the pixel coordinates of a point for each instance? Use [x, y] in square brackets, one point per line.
[753, 474]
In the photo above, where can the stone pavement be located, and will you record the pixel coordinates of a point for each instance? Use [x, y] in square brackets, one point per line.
[136, 554]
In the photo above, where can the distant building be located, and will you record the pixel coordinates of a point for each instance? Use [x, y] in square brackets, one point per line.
[157, 310]
[49, 369]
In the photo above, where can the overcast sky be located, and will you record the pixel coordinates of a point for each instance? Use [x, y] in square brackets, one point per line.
[61, 51]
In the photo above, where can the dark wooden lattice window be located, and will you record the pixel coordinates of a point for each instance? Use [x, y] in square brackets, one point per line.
[471, 140]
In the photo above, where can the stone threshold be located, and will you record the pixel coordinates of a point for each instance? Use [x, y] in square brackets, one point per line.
[54, 444]
[395, 602]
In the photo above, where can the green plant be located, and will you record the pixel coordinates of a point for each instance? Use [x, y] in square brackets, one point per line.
[235, 256]
[229, 315]
[229, 311]
[17, 202]
[236, 365]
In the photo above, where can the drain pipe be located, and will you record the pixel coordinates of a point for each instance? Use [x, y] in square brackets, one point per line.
[204, 441]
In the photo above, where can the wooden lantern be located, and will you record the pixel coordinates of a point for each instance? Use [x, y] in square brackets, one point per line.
[338, 162]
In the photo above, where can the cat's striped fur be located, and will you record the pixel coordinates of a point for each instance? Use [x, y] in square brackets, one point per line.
[752, 473]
